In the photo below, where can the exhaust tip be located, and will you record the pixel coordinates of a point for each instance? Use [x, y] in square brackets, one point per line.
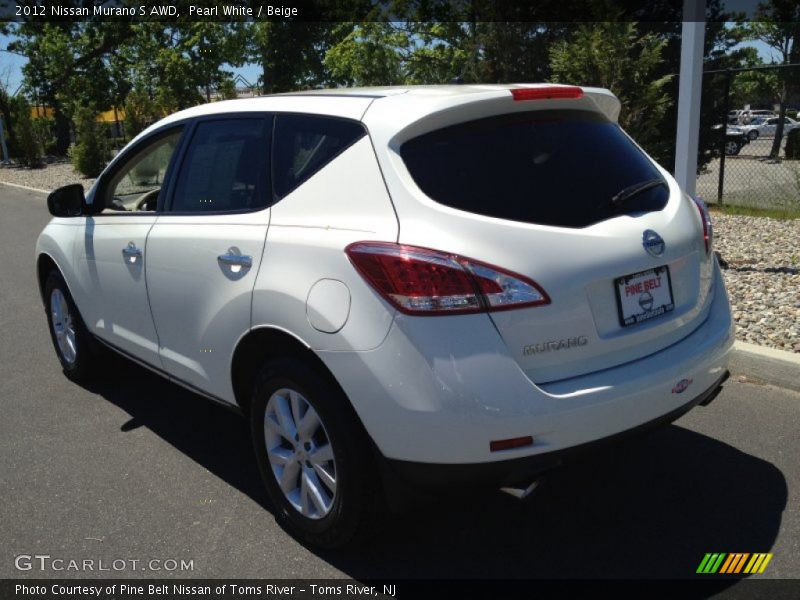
[521, 493]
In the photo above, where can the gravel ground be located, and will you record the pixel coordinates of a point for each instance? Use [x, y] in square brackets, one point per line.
[760, 258]
[48, 178]
[763, 277]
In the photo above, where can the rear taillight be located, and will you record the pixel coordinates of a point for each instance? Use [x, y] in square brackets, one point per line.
[548, 92]
[705, 218]
[421, 281]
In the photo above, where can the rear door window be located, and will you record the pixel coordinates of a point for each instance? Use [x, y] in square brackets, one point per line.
[556, 168]
[226, 167]
[304, 144]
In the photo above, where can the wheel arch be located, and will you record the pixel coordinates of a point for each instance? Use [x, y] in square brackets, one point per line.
[265, 343]
[44, 264]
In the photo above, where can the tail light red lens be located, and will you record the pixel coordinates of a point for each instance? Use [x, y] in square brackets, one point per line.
[708, 229]
[548, 92]
[421, 281]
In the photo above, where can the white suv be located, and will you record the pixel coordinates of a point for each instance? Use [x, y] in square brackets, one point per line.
[435, 285]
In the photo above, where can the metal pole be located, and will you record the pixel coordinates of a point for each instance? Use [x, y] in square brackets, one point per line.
[725, 110]
[690, 86]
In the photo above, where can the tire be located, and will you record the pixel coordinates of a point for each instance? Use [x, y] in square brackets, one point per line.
[732, 148]
[331, 517]
[75, 347]
[752, 135]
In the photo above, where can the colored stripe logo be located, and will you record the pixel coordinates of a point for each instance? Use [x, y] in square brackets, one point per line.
[734, 563]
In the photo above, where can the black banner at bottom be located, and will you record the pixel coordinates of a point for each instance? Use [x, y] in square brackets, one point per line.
[350, 589]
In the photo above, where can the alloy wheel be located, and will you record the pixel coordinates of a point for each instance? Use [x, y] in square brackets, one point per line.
[63, 326]
[300, 453]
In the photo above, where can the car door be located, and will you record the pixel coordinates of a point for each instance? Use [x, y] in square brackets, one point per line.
[111, 278]
[204, 251]
[769, 127]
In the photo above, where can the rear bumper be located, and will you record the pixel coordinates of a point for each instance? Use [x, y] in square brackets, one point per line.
[439, 390]
[524, 470]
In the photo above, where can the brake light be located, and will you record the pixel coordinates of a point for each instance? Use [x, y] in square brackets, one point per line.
[549, 92]
[705, 218]
[421, 281]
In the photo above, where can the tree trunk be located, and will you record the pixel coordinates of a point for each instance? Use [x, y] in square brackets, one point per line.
[63, 137]
[267, 70]
[5, 110]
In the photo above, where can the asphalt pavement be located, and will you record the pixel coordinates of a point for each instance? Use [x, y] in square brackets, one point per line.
[133, 468]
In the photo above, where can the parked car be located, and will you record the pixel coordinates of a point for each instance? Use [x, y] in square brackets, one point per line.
[735, 139]
[751, 129]
[400, 287]
[746, 117]
[734, 117]
[766, 127]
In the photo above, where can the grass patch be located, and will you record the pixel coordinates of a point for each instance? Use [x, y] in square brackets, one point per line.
[785, 214]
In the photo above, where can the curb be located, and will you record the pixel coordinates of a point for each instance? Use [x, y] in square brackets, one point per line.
[25, 187]
[776, 367]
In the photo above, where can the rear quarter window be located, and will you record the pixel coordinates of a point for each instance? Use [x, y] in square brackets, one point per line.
[304, 144]
[556, 168]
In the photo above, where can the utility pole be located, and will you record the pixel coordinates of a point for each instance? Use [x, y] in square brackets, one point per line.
[689, 92]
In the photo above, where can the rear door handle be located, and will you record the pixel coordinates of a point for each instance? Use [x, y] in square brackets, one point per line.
[235, 259]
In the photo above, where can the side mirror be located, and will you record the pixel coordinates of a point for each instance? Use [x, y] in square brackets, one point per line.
[67, 201]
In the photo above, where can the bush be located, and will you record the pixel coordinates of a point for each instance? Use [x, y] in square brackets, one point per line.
[44, 131]
[793, 145]
[90, 152]
[28, 151]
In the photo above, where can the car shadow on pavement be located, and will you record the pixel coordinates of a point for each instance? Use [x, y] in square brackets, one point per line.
[648, 507]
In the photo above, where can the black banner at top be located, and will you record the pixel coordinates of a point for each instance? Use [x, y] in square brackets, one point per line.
[394, 10]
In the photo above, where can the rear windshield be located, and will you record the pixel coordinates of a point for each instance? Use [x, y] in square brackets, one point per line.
[547, 167]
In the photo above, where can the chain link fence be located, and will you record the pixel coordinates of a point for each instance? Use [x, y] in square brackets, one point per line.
[746, 167]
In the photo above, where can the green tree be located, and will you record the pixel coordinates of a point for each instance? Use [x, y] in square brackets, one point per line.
[68, 65]
[28, 147]
[369, 54]
[90, 152]
[777, 24]
[292, 53]
[616, 56]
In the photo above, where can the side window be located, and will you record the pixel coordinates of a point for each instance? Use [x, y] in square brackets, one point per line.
[226, 167]
[772, 122]
[306, 143]
[136, 183]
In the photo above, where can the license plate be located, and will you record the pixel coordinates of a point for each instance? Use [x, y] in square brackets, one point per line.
[643, 295]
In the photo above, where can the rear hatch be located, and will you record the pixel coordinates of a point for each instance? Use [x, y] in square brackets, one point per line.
[551, 193]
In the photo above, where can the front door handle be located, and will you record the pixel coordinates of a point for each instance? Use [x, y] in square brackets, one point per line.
[234, 259]
[131, 252]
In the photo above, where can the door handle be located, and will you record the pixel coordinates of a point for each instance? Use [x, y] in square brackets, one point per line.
[235, 259]
[131, 252]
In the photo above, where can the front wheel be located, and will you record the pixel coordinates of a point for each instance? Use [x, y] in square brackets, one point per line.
[313, 455]
[752, 135]
[732, 148]
[74, 345]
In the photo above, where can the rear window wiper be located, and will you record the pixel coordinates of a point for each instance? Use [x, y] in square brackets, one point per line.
[629, 192]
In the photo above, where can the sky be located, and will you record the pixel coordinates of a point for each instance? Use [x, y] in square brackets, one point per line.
[11, 64]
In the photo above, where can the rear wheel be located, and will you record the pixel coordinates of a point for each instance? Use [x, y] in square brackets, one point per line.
[313, 455]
